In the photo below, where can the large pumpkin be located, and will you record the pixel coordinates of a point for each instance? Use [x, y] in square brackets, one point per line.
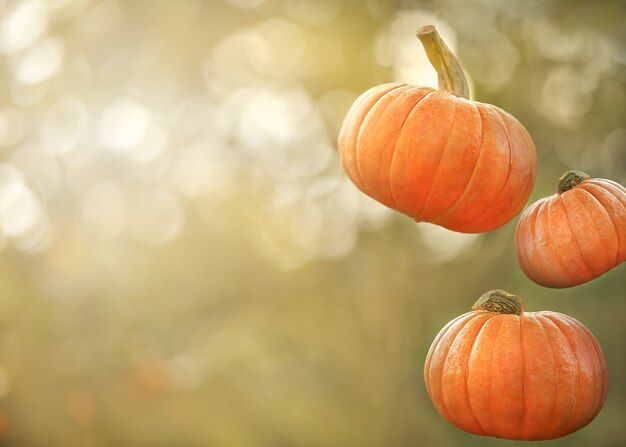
[499, 371]
[434, 154]
[575, 235]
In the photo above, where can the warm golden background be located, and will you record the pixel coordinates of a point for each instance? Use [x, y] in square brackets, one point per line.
[183, 261]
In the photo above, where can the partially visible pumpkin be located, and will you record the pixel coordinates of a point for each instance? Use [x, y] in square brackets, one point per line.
[502, 372]
[575, 235]
[434, 154]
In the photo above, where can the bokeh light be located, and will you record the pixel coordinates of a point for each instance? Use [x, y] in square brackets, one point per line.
[123, 123]
[40, 62]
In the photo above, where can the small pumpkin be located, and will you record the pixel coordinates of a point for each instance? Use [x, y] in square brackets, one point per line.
[502, 372]
[575, 235]
[436, 156]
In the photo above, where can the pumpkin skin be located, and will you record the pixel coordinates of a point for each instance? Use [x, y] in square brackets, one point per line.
[575, 235]
[438, 157]
[532, 376]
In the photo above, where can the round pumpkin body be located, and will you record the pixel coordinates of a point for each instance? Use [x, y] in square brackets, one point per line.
[438, 157]
[532, 376]
[575, 235]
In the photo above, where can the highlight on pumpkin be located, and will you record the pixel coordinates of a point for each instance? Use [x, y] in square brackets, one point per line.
[436, 156]
[575, 235]
[499, 371]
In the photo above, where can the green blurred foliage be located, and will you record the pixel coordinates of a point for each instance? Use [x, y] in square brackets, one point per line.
[183, 261]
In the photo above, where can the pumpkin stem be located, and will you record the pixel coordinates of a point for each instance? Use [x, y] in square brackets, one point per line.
[571, 179]
[500, 302]
[449, 71]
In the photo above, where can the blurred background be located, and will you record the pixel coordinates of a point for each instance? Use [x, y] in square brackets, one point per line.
[183, 261]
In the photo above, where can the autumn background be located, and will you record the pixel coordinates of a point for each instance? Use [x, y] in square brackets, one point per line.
[183, 261]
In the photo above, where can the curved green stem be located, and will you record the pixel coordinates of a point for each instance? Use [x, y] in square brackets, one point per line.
[500, 302]
[571, 179]
[449, 71]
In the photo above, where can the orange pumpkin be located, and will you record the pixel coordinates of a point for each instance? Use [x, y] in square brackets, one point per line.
[434, 154]
[502, 372]
[575, 235]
